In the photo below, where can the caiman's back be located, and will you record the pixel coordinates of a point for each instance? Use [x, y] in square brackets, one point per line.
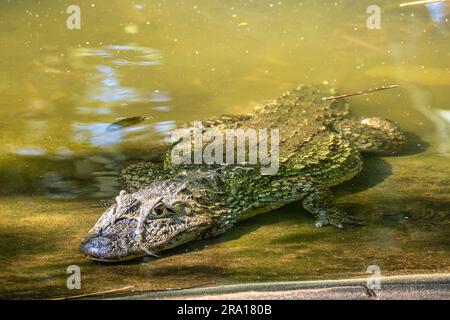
[308, 143]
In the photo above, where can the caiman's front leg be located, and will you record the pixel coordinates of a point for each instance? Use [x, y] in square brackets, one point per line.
[319, 200]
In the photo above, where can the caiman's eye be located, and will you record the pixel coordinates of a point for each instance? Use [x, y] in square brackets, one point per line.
[159, 210]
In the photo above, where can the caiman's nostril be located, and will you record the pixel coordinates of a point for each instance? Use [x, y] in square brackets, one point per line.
[96, 247]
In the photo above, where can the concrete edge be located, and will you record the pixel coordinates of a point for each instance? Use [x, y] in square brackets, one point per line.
[419, 279]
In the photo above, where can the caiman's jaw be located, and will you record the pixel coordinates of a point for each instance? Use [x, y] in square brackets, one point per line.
[138, 226]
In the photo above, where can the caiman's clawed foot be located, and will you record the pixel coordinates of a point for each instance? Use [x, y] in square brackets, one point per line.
[336, 218]
[320, 202]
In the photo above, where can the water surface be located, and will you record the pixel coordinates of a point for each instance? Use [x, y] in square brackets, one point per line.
[178, 61]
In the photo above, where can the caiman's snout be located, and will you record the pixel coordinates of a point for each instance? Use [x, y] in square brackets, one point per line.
[97, 248]
[143, 224]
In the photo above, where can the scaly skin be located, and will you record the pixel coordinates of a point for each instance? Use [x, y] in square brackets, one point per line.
[320, 146]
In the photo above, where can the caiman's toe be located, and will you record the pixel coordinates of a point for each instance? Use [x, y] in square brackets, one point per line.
[337, 220]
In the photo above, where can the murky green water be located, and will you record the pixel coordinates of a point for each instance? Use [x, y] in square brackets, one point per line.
[188, 60]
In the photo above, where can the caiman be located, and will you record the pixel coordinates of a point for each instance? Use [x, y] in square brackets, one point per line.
[320, 145]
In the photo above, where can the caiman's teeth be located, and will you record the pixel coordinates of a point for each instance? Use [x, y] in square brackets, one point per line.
[150, 253]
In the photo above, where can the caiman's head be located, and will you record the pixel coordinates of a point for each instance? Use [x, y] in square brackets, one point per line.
[161, 216]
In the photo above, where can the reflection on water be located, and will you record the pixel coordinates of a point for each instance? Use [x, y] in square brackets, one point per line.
[121, 55]
[105, 95]
[438, 12]
[97, 134]
[105, 86]
[58, 187]
[29, 152]
[440, 119]
[71, 90]
[175, 62]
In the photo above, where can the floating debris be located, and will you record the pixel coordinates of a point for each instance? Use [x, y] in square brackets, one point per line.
[414, 3]
[360, 92]
[121, 123]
